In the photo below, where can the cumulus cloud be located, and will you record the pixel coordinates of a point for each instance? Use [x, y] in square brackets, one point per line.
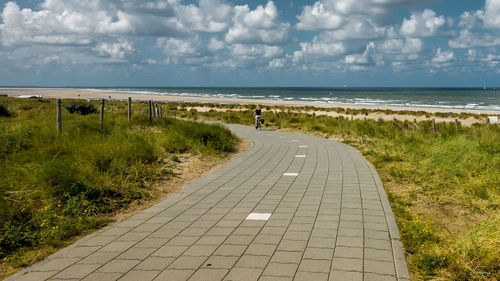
[492, 14]
[259, 26]
[332, 14]
[422, 25]
[318, 49]
[467, 39]
[398, 46]
[443, 56]
[361, 59]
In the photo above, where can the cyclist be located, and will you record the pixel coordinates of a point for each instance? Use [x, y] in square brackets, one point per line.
[257, 113]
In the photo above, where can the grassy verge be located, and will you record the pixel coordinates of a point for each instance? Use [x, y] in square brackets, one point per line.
[444, 187]
[54, 186]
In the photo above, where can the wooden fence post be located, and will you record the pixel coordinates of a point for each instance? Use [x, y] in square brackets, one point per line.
[395, 122]
[102, 113]
[456, 124]
[415, 126]
[58, 117]
[129, 112]
[434, 126]
[150, 112]
[161, 111]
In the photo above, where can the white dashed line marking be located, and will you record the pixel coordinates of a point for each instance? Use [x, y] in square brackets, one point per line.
[258, 216]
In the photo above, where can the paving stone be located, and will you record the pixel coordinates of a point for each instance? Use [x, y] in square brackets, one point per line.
[321, 242]
[186, 262]
[292, 245]
[170, 251]
[380, 267]
[239, 239]
[35, 276]
[99, 257]
[143, 275]
[347, 264]
[117, 246]
[220, 262]
[308, 265]
[174, 275]
[344, 241]
[78, 271]
[211, 240]
[286, 257]
[230, 250]
[348, 252]
[155, 263]
[243, 274]
[118, 266]
[378, 244]
[260, 249]
[200, 250]
[135, 253]
[340, 275]
[56, 264]
[270, 239]
[378, 277]
[280, 269]
[378, 255]
[101, 276]
[318, 253]
[250, 261]
[309, 276]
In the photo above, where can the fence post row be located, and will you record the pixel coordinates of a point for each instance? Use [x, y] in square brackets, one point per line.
[102, 112]
[129, 115]
[58, 116]
[150, 112]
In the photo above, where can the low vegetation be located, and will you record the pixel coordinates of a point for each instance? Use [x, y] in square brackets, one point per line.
[444, 187]
[55, 186]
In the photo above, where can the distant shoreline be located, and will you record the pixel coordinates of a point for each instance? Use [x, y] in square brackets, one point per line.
[75, 93]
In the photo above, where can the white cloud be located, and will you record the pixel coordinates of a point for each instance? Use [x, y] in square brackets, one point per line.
[318, 49]
[363, 58]
[277, 63]
[409, 46]
[215, 45]
[318, 17]
[492, 14]
[362, 28]
[467, 39]
[422, 25]
[443, 56]
[115, 50]
[332, 14]
[259, 26]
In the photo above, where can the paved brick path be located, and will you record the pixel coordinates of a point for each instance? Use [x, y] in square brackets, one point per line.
[330, 220]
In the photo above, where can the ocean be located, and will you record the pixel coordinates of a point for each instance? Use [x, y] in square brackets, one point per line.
[451, 98]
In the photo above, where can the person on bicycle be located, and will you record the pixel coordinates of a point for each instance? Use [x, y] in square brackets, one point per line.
[257, 113]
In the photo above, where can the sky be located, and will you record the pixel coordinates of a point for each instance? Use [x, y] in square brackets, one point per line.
[243, 43]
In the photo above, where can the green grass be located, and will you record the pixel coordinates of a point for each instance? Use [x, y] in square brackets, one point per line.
[444, 188]
[55, 186]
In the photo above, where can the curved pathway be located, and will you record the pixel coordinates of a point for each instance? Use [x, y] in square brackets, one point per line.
[291, 207]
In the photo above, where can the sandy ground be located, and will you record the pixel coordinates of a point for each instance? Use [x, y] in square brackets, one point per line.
[70, 93]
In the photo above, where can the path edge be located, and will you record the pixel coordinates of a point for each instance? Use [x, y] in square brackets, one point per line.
[402, 273]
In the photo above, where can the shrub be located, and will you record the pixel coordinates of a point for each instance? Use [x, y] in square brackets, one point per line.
[4, 111]
[82, 108]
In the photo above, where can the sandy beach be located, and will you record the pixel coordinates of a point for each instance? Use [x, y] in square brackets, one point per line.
[71, 93]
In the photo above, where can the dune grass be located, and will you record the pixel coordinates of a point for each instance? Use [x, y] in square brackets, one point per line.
[56, 186]
[444, 187]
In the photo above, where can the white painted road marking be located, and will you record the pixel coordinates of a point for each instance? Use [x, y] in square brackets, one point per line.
[258, 216]
[300, 156]
[291, 174]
